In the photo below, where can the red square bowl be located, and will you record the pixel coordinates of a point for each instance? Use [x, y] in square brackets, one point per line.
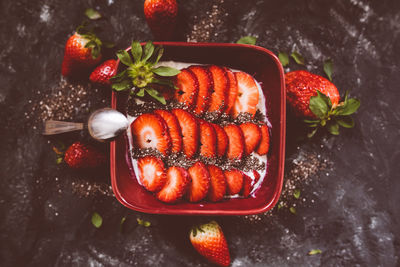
[267, 70]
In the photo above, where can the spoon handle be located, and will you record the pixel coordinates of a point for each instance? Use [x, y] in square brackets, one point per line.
[56, 127]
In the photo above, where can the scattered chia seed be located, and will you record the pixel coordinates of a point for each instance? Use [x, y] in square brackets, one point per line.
[86, 189]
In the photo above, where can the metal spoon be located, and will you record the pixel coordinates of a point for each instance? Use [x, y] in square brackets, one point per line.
[103, 124]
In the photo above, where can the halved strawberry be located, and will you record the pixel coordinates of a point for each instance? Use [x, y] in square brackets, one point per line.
[151, 131]
[198, 188]
[246, 185]
[208, 140]
[151, 173]
[206, 85]
[188, 88]
[232, 92]
[235, 143]
[177, 183]
[221, 86]
[263, 147]
[218, 184]
[247, 98]
[256, 176]
[190, 131]
[173, 128]
[252, 136]
[234, 181]
[222, 140]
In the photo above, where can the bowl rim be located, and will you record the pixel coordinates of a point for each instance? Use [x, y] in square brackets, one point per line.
[281, 157]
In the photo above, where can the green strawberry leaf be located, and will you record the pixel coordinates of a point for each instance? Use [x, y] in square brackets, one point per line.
[156, 95]
[122, 85]
[136, 50]
[312, 133]
[318, 106]
[159, 51]
[345, 121]
[333, 127]
[283, 58]
[292, 210]
[59, 160]
[143, 222]
[298, 58]
[326, 99]
[92, 14]
[96, 52]
[124, 57]
[249, 40]
[328, 68]
[118, 77]
[314, 252]
[148, 50]
[166, 71]
[349, 107]
[140, 93]
[97, 221]
[296, 194]
[312, 121]
[168, 83]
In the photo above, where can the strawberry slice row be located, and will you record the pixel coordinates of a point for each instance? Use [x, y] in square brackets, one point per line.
[199, 182]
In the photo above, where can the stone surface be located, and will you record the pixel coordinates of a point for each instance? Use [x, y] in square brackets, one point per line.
[349, 187]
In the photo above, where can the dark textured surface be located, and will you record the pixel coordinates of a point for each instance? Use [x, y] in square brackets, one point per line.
[349, 184]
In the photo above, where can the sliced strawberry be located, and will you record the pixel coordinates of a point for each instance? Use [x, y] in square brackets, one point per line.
[221, 86]
[263, 147]
[256, 176]
[173, 128]
[234, 181]
[167, 92]
[188, 88]
[206, 85]
[246, 185]
[247, 98]
[233, 90]
[198, 188]
[208, 140]
[218, 184]
[151, 131]
[235, 143]
[222, 140]
[252, 136]
[177, 183]
[190, 131]
[151, 173]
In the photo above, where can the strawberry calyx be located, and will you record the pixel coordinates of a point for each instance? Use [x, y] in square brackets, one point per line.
[93, 41]
[331, 116]
[141, 72]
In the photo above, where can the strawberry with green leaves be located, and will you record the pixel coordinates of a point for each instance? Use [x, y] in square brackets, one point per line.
[141, 75]
[83, 156]
[316, 99]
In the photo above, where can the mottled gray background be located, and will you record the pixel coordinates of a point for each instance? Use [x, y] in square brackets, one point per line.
[349, 184]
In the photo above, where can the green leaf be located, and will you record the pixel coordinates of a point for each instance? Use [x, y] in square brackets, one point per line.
[312, 133]
[123, 219]
[328, 68]
[118, 77]
[349, 107]
[346, 122]
[59, 160]
[298, 58]
[92, 14]
[165, 82]
[318, 106]
[333, 128]
[97, 221]
[296, 194]
[143, 222]
[140, 93]
[120, 86]
[156, 95]
[326, 99]
[279, 206]
[160, 53]
[148, 50]
[312, 121]
[124, 57]
[314, 252]
[166, 71]
[284, 58]
[249, 40]
[292, 210]
[136, 50]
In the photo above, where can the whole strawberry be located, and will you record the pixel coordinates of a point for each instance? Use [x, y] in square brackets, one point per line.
[83, 156]
[209, 240]
[316, 100]
[161, 16]
[102, 74]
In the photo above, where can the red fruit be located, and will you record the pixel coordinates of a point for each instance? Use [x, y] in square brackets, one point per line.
[208, 140]
[256, 176]
[232, 92]
[252, 136]
[221, 86]
[235, 143]
[177, 183]
[200, 176]
[246, 185]
[151, 173]
[247, 97]
[206, 86]
[173, 128]
[234, 181]
[190, 131]
[151, 131]
[83, 156]
[218, 184]
[102, 74]
[161, 16]
[222, 140]
[301, 85]
[263, 147]
[209, 240]
[188, 88]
